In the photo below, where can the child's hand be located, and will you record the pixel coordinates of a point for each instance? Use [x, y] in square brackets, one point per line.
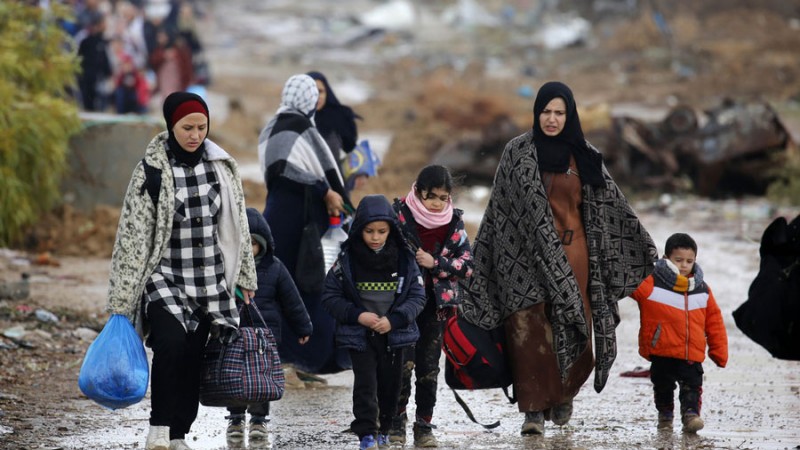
[383, 326]
[303, 340]
[368, 319]
[424, 259]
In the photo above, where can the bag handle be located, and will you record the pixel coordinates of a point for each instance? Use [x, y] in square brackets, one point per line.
[463, 404]
[247, 307]
[489, 426]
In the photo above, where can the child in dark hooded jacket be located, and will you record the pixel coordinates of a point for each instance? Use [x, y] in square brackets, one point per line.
[375, 292]
[276, 296]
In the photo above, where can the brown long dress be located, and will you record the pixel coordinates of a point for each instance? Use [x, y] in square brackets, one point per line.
[537, 381]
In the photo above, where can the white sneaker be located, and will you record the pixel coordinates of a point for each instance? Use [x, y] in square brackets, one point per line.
[157, 438]
[178, 444]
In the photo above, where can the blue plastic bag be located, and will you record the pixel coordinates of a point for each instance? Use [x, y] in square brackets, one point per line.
[115, 370]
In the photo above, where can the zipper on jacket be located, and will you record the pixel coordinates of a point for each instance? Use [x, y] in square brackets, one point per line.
[656, 335]
[686, 315]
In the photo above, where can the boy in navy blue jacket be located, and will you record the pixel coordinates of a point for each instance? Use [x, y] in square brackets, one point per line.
[375, 292]
[276, 295]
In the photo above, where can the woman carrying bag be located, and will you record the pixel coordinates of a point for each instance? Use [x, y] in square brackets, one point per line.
[299, 169]
[182, 248]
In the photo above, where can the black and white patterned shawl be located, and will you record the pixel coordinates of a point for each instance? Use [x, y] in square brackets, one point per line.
[519, 260]
[290, 145]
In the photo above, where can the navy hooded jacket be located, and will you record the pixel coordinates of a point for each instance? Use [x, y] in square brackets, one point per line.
[276, 294]
[341, 298]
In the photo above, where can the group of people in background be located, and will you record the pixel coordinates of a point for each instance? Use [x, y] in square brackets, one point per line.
[557, 248]
[133, 52]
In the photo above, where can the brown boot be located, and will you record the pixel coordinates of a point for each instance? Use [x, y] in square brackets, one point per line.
[692, 423]
[423, 435]
[665, 420]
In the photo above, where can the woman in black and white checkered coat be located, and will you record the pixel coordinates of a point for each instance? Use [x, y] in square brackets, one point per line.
[182, 248]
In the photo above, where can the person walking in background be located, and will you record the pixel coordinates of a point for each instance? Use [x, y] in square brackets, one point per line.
[679, 316]
[375, 292]
[171, 60]
[95, 64]
[275, 297]
[182, 248]
[131, 92]
[436, 232]
[299, 170]
[557, 247]
[336, 122]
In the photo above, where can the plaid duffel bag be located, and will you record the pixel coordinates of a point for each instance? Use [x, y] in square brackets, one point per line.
[246, 371]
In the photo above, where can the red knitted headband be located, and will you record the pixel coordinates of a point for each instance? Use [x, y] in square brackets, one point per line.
[186, 108]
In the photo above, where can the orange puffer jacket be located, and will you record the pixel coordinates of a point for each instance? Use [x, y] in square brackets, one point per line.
[676, 324]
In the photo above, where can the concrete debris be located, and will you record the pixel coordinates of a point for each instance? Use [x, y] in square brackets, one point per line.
[16, 290]
[393, 15]
[44, 315]
[564, 31]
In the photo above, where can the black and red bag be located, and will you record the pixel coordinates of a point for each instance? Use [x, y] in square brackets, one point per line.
[475, 359]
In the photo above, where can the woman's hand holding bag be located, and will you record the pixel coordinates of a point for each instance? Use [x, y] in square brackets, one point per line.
[246, 371]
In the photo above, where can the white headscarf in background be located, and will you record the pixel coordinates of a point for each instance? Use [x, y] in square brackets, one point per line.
[300, 94]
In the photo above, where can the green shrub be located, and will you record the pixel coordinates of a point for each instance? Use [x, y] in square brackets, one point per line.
[37, 117]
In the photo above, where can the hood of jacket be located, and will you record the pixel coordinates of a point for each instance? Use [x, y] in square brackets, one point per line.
[260, 229]
[370, 209]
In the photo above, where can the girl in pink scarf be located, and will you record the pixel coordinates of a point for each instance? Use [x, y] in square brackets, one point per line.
[436, 231]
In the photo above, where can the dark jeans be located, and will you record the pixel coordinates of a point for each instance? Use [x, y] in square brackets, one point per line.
[175, 376]
[376, 385]
[665, 373]
[423, 360]
[256, 410]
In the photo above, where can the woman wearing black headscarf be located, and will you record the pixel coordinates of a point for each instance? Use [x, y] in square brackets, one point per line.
[182, 248]
[335, 122]
[558, 246]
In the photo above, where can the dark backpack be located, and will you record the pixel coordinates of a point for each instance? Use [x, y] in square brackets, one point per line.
[475, 359]
[771, 314]
[152, 182]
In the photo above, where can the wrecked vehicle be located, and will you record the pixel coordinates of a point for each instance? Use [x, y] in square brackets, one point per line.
[731, 149]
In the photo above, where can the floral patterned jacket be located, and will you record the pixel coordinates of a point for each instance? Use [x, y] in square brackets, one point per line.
[453, 261]
[144, 229]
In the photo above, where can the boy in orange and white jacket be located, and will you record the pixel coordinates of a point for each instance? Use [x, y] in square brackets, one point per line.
[679, 316]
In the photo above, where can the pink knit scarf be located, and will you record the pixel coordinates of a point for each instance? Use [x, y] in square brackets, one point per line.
[423, 216]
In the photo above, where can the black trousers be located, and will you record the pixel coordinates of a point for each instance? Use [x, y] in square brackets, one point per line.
[376, 385]
[175, 376]
[423, 361]
[665, 373]
[256, 410]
